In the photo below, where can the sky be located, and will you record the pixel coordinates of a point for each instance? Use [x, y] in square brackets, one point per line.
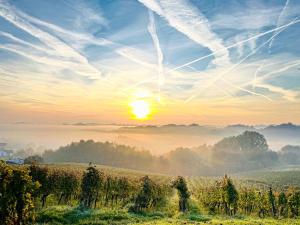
[192, 61]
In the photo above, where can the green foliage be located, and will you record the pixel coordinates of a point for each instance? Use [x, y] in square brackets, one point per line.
[294, 202]
[272, 202]
[90, 186]
[149, 199]
[150, 195]
[68, 185]
[16, 195]
[104, 153]
[229, 196]
[183, 193]
[244, 152]
[282, 204]
[247, 201]
[34, 159]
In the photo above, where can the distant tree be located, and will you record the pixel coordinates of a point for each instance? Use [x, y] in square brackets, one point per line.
[290, 154]
[183, 193]
[252, 141]
[229, 196]
[90, 186]
[16, 195]
[34, 159]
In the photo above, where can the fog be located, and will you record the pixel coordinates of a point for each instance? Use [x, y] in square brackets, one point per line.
[157, 139]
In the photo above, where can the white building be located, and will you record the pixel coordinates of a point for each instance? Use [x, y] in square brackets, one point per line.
[15, 161]
[4, 153]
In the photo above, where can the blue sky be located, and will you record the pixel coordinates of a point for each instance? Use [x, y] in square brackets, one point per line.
[237, 60]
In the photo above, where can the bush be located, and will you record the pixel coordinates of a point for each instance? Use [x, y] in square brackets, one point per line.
[16, 195]
[91, 183]
[34, 159]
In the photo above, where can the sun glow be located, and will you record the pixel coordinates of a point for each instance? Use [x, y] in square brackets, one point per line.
[140, 109]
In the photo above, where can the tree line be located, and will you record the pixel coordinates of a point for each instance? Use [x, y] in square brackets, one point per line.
[243, 152]
[22, 189]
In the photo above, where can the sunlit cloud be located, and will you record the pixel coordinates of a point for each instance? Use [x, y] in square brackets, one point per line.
[90, 59]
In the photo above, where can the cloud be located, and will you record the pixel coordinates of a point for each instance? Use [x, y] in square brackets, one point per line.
[246, 18]
[160, 57]
[57, 49]
[280, 20]
[289, 95]
[188, 20]
[254, 37]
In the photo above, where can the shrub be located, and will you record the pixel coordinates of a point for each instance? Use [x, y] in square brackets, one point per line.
[16, 195]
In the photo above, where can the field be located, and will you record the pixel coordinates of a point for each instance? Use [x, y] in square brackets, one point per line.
[72, 213]
[134, 197]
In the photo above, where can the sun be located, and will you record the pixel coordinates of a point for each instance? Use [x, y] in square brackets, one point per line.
[140, 109]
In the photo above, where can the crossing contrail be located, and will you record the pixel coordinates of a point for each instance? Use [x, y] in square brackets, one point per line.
[150, 79]
[235, 44]
[237, 64]
[271, 43]
[279, 21]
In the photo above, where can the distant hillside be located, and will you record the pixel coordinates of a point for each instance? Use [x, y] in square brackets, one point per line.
[277, 135]
[244, 152]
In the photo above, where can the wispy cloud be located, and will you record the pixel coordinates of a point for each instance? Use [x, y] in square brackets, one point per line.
[188, 20]
[160, 57]
[280, 21]
[289, 95]
[58, 50]
[261, 34]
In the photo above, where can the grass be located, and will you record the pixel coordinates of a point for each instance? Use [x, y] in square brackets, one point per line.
[58, 215]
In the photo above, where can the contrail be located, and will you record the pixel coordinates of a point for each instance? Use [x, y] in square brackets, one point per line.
[209, 55]
[237, 64]
[246, 90]
[160, 57]
[267, 75]
[255, 75]
[234, 45]
[271, 43]
[278, 21]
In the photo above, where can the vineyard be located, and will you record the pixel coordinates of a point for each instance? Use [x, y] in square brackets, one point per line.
[89, 194]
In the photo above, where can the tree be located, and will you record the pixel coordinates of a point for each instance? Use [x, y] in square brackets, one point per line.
[294, 202]
[282, 204]
[183, 193]
[229, 196]
[252, 141]
[16, 195]
[68, 185]
[262, 204]
[272, 202]
[90, 186]
[48, 180]
[144, 197]
[34, 159]
[247, 200]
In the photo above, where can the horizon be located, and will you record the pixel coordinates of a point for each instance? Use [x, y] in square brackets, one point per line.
[137, 124]
[150, 62]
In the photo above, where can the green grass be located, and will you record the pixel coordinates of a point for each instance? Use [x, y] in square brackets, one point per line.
[58, 215]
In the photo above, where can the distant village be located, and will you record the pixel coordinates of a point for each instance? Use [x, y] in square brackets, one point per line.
[8, 156]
